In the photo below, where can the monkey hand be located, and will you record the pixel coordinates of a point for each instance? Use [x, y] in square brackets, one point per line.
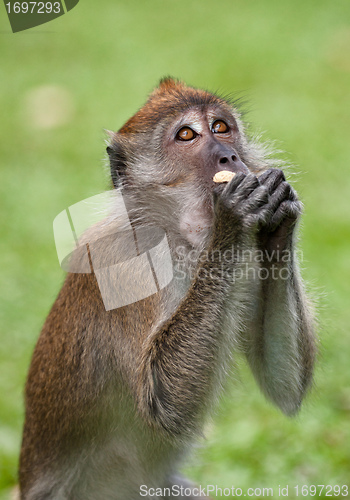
[275, 235]
[240, 208]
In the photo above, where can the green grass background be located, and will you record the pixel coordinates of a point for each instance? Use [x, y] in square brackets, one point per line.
[292, 61]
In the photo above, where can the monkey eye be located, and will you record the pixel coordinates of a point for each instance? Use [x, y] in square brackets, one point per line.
[186, 134]
[219, 127]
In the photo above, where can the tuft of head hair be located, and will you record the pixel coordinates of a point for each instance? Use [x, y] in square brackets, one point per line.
[168, 99]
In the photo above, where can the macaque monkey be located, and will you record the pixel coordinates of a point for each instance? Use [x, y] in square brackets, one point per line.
[115, 398]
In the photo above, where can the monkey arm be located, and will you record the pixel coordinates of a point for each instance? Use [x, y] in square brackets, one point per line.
[281, 349]
[183, 360]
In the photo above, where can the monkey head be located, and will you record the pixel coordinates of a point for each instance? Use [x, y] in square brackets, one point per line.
[172, 148]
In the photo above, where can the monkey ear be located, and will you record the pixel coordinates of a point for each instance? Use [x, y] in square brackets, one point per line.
[117, 159]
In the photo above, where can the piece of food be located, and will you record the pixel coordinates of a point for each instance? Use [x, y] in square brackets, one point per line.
[223, 176]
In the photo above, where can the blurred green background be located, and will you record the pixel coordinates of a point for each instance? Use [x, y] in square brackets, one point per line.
[63, 83]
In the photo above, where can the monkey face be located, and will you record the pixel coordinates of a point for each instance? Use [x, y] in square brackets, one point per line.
[201, 143]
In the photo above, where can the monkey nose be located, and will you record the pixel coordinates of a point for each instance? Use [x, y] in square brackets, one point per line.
[232, 162]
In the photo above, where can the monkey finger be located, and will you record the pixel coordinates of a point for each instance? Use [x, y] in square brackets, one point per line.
[257, 199]
[293, 195]
[271, 179]
[231, 186]
[224, 191]
[259, 217]
[282, 193]
[246, 187]
[287, 210]
[217, 192]
[263, 217]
